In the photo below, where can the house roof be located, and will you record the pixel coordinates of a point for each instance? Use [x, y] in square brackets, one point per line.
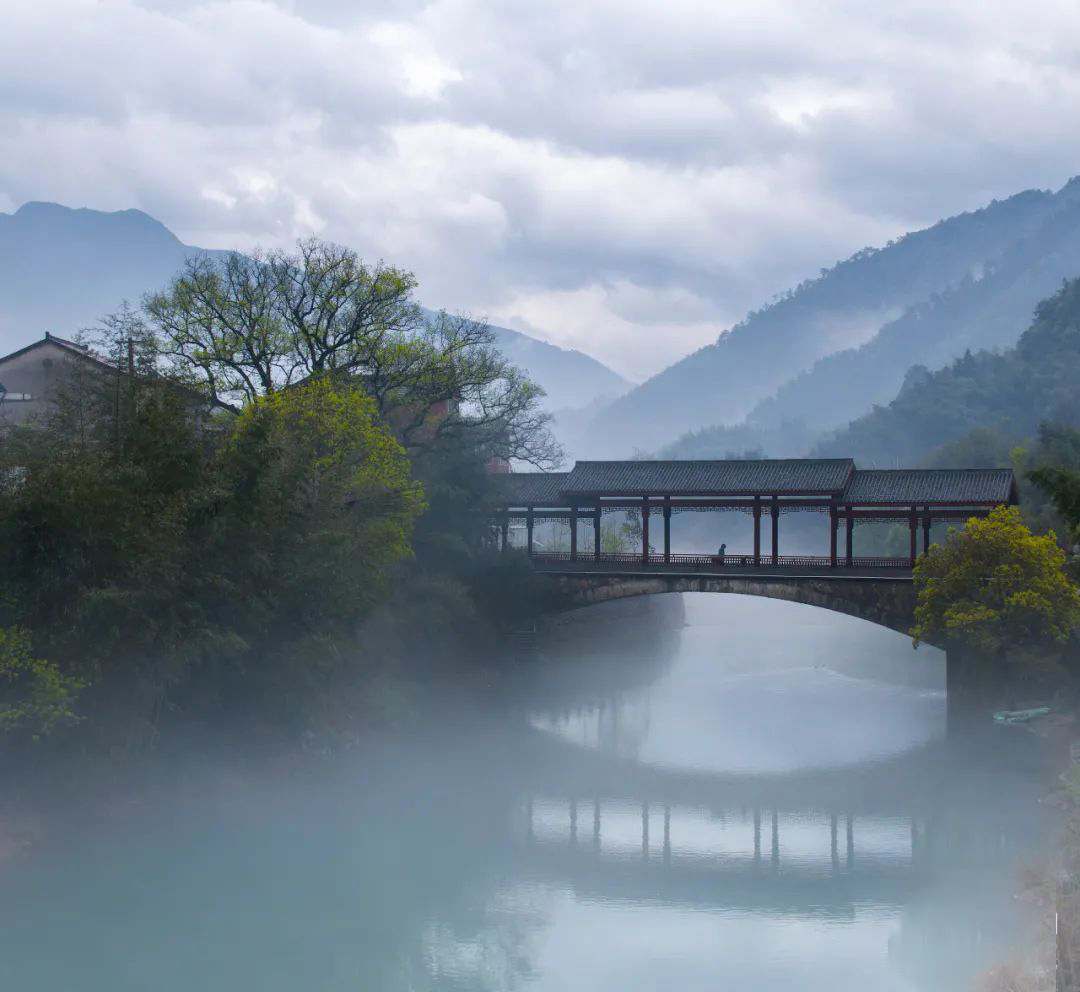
[960, 487]
[762, 477]
[78, 350]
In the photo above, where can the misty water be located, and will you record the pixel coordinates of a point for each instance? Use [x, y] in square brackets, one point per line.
[681, 793]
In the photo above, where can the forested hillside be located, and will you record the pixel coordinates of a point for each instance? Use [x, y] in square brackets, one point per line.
[985, 309]
[1003, 395]
[843, 308]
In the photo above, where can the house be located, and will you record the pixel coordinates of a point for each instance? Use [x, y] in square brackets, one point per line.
[29, 376]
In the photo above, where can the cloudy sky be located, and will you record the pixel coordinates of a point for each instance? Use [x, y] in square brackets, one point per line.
[620, 176]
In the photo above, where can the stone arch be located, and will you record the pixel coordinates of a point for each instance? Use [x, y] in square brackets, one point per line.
[886, 602]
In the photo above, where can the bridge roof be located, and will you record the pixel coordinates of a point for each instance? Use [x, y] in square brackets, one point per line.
[534, 488]
[955, 487]
[762, 477]
[835, 478]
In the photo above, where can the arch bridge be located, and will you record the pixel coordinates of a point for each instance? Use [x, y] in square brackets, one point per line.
[652, 492]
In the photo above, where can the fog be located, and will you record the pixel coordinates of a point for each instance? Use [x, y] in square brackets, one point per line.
[692, 792]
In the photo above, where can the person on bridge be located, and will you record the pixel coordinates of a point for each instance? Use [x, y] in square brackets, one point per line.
[720, 554]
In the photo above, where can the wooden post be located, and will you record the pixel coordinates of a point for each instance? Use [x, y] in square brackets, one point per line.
[913, 526]
[757, 530]
[505, 530]
[596, 533]
[573, 532]
[645, 530]
[926, 531]
[775, 513]
[529, 531]
[775, 840]
[849, 552]
[832, 534]
[667, 530]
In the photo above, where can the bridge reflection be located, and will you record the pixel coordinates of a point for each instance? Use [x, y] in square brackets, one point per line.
[819, 865]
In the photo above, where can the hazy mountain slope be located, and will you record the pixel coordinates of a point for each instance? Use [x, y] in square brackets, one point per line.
[842, 308]
[984, 312]
[570, 378]
[61, 269]
[1009, 392]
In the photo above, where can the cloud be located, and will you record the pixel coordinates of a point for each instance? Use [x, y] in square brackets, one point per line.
[628, 179]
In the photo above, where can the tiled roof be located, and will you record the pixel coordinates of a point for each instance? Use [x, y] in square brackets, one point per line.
[960, 487]
[794, 476]
[534, 488]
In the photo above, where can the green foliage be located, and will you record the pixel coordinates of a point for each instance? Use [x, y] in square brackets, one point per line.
[243, 327]
[1014, 391]
[995, 587]
[35, 696]
[178, 564]
[1054, 469]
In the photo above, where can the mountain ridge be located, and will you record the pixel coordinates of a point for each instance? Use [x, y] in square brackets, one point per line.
[724, 382]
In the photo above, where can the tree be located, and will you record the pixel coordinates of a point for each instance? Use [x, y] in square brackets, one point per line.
[243, 327]
[995, 587]
[1062, 487]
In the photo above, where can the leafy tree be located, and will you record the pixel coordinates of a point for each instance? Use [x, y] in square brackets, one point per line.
[35, 696]
[243, 327]
[1062, 487]
[995, 587]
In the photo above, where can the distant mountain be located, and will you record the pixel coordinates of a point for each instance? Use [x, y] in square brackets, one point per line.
[61, 269]
[1004, 395]
[571, 379]
[985, 309]
[1009, 249]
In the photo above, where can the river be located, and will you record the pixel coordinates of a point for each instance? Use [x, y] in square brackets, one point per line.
[681, 793]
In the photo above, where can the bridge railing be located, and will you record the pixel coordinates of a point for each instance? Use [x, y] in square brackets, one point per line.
[720, 561]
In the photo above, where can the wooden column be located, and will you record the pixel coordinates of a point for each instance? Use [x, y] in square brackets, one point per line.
[596, 533]
[757, 530]
[529, 531]
[833, 521]
[913, 526]
[775, 514]
[849, 550]
[645, 529]
[573, 532]
[667, 530]
[505, 530]
[926, 531]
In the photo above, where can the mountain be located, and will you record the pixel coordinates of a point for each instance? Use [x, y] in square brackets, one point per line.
[982, 310]
[571, 379]
[61, 269]
[992, 398]
[928, 275]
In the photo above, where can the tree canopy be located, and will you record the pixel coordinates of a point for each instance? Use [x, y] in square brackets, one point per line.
[242, 327]
[994, 586]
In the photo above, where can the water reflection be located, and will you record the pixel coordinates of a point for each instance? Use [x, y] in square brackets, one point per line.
[706, 792]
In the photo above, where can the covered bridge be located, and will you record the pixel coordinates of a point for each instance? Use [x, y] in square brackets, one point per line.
[762, 488]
